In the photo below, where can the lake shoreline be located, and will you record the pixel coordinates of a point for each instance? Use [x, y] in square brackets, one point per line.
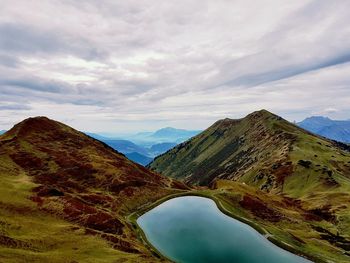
[132, 219]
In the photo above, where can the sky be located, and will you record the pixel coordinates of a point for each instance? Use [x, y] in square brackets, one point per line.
[126, 66]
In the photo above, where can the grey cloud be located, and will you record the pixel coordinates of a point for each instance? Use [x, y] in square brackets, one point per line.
[8, 61]
[173, 62]
[34, 84]
[23, 39]
[16, 107]
[284, 72]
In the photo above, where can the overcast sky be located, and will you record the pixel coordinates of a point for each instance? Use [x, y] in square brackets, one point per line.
[123, 66]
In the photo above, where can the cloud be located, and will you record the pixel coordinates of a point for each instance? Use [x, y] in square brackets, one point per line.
[162, 63]
[16, 107]
[8, 61]
[33, 84]
[23, 39]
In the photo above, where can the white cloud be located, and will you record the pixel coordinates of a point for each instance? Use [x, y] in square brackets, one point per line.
[130, 65]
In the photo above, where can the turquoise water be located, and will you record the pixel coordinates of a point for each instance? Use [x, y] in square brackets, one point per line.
[193, 229]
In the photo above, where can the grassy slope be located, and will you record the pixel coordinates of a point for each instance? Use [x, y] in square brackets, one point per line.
[64, 197]
[229, 149]
[30, 235]
[297, 223]
[264, 151]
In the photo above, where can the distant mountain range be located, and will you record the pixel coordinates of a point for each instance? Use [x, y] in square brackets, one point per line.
[164, 135]
[139, 158]
[143, 147]
[326, 127]
[173, 135]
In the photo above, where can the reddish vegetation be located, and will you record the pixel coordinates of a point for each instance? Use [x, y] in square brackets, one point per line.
[282, 172]
[27, 160]
[88, 215]
[319, 214]
[84, 180]
[259, 209]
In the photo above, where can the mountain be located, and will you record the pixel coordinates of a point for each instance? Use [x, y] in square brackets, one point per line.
[66, 196]
[288, 183]
[144, 146]
[139, 158]
[332, 129]
[172, 134]
[163, 135]
[2, 132]
[262, 150]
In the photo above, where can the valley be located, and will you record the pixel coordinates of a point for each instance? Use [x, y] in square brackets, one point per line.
[143, 147]
[288, 184]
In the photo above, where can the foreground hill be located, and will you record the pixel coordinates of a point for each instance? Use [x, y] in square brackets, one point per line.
[332, 129]
[64, 197]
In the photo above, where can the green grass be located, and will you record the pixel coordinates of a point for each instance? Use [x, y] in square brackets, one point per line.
[35, 236]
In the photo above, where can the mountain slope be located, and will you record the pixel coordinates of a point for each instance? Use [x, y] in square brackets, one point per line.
[335, 130]
[262, 150]
[81, 187]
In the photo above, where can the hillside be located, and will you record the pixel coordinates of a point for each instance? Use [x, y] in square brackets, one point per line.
[64, 197]
[294, 184]
[332, 129]
[262, 150]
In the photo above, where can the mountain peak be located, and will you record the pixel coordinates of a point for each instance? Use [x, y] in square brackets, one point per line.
[261, 114]
[254, 116]
[40, 124]
[317, 117]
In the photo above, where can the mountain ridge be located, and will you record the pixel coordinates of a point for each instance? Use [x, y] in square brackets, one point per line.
[260, 149]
